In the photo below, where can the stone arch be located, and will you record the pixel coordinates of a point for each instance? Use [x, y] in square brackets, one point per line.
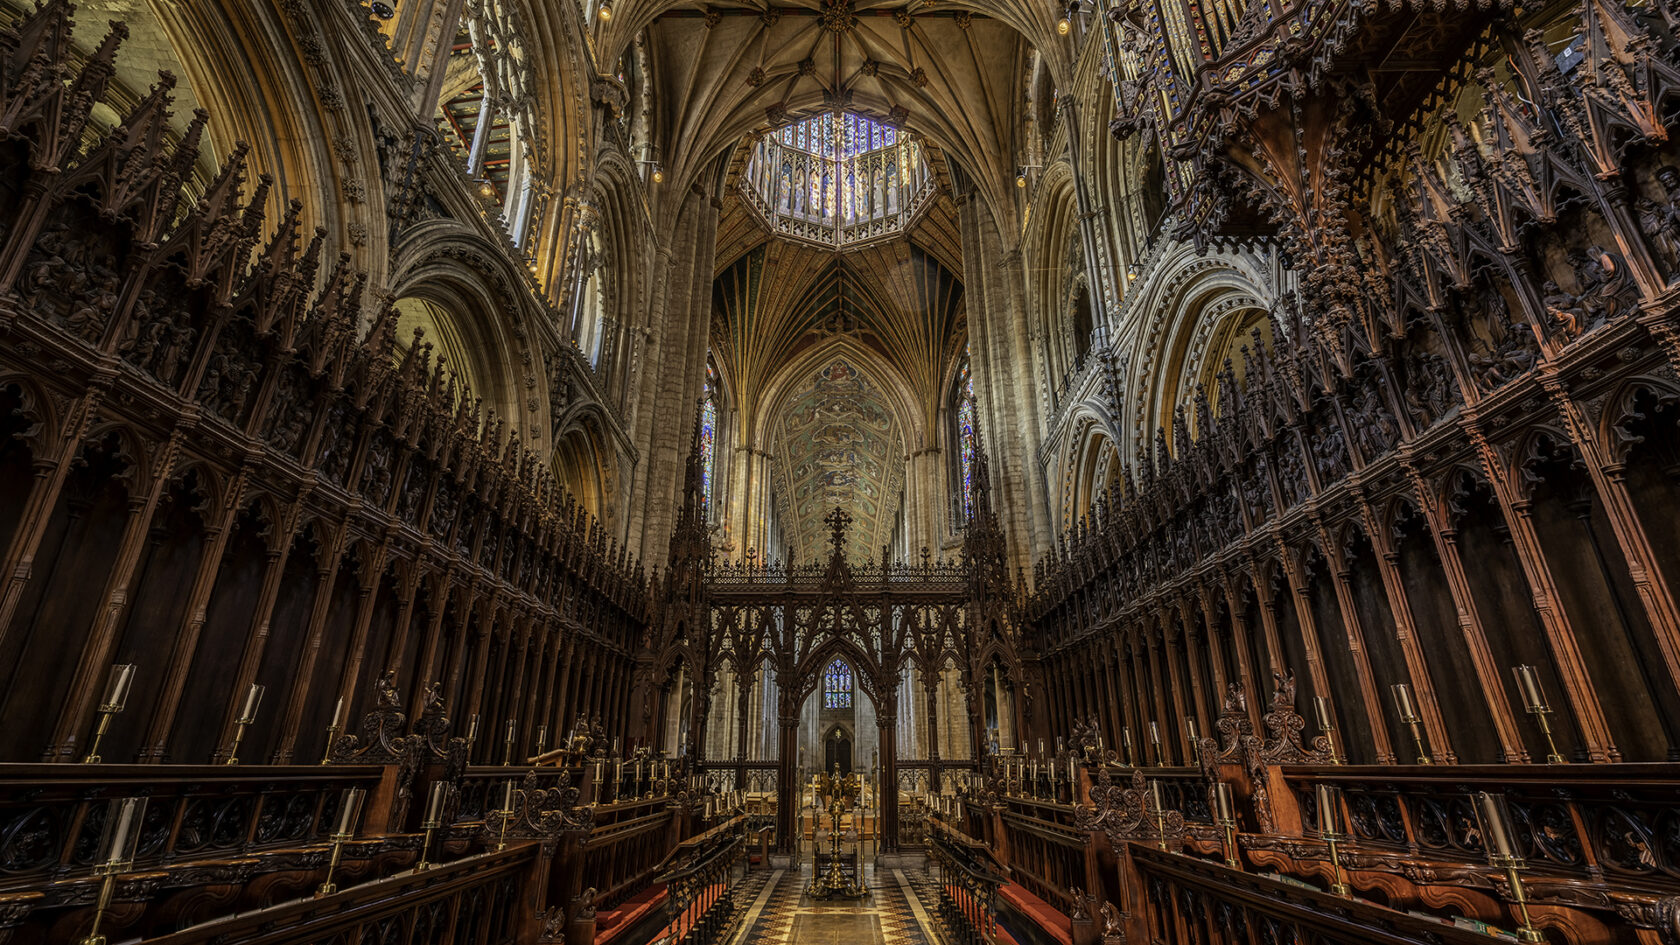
[464, 295]
[1091, 464]
[1055, 267]
[584, 463]
[1189, 296]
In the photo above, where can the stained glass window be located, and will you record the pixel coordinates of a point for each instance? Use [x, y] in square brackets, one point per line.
[820, 177]
[837, 686]
[708, 434]
[965, 437]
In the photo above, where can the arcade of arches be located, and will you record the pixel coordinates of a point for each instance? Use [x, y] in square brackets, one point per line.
[1044, 472]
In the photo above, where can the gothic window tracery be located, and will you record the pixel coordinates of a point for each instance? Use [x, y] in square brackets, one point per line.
[708, 434]
[966, 438]
[838, 179]
[837, 686]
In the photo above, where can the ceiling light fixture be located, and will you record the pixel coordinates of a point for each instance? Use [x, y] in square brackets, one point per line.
[605, 13]
[658, 174]
[1021, 179]
[1063, 25]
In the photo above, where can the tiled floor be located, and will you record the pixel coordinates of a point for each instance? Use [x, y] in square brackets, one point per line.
[780, 914]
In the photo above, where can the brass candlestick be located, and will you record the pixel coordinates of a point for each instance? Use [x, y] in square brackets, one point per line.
[509, 795]
[247, 715]
[1495, 823]
[1329, 819]
[117, 685]
[1226, 814]
[333, 729]
[1409, 715]
[349, 810]
[1534, 700]
[507, 746]
[1155, 739]
[1326, 725]
[118, 844]
[434, 819]
[1160, 810]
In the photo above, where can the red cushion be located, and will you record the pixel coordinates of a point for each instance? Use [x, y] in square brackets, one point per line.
[1047, 916]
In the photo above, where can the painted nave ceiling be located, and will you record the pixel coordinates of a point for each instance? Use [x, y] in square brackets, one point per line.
[718, 472]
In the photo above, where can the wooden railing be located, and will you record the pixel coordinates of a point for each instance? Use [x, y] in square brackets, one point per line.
[1600, 845]
[1184, 899]
[626, 846]
[968, 880]
[477, 899]
[51, 816]
[700, 877]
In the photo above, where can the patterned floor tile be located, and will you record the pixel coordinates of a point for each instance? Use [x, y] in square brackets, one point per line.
[787, 917]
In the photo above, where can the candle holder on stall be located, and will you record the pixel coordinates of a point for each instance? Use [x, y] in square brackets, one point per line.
[1495, 821]
[1330, 830]
[1191, 739]
[1327, 725]
[117, 685]
[1409, 716]
[510, 794]
[118, 843]
[334, 729]
[1534, 700]
[434, 819]
[349, 811]
[1156, 801]
[1126, 743]
[507, 743]
[1225, 813]
[247, 715]
[1155, 740]
[542, 739]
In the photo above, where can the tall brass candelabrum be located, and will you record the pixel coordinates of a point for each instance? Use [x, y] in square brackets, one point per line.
[833, 883]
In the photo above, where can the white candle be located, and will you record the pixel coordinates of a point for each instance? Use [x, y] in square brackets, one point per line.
[1497, 834]
[117, 686]
[129, 811]
[338, 713]
[1328, 815]
[434, 804]
[349, 806]
[1534, 700]
[1222, 803]
[1403, 702]
[253, 698]
[1321, 709]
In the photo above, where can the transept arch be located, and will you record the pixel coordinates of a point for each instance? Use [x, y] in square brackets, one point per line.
[1190, 301]
[462, 294]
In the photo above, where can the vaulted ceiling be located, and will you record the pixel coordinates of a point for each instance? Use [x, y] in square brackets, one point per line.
[776, 301]
[837, 363]
[838, 444]
[951, 72]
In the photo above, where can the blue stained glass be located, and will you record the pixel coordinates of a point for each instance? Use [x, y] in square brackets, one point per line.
[708, 436]
[837, 686]
[965, 437]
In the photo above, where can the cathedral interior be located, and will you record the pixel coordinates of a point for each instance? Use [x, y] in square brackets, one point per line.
[883, 472]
